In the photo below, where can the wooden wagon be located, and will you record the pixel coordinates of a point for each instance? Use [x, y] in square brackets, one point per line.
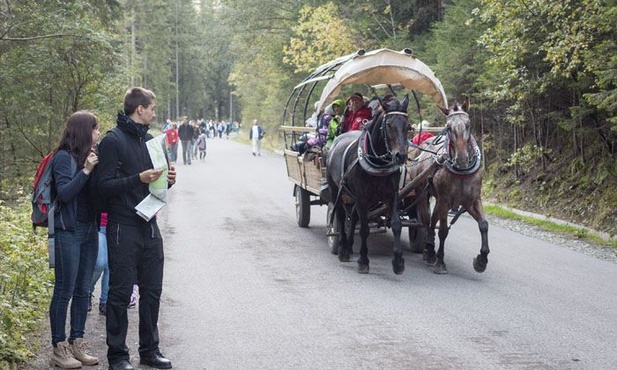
[377, 72]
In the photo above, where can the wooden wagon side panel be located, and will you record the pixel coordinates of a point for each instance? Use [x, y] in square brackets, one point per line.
[313, 174]
[294, 167]
[308, 175]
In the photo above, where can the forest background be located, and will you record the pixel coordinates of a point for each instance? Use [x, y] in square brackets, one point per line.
[541, 76]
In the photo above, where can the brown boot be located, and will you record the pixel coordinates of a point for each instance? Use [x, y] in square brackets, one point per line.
[79, 351]
[63, 358]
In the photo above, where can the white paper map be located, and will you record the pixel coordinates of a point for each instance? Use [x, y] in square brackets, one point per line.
[157, 198]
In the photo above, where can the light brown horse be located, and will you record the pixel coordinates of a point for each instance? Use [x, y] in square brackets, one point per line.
[458, 182]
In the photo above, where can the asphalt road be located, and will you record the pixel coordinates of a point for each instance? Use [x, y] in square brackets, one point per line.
[246, 288]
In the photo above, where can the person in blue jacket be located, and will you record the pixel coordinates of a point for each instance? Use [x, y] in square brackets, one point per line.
[76, 239]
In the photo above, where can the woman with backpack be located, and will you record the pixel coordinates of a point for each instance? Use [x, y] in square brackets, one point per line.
[76, 239]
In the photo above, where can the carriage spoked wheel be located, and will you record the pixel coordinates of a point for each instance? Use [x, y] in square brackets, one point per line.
[417, 234]
[417, 239]
[303, 207]
[333, 230]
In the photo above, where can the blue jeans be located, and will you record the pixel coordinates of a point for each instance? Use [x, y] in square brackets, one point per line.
[101, 267]
[75, 257]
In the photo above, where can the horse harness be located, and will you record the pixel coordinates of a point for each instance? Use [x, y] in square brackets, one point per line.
[375, 165]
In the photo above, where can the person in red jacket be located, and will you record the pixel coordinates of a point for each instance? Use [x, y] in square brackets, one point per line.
[172, 141]
[357, 114]
[421, 136]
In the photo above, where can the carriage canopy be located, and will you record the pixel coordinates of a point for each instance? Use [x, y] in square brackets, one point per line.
[378, 67]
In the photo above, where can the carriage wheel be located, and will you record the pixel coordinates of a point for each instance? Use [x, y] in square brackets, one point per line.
[303, 207]
[333, 230]
[417, 238]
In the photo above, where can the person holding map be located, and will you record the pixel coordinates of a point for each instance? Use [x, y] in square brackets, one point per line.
[135, 246]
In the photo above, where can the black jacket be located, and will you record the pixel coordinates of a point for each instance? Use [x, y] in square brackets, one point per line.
[185, 132]
[117, 178]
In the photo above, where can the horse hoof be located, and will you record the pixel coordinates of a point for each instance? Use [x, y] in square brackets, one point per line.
[363, 269]
[479, 266]
[440, 269]
[399, 267]
[430, 259]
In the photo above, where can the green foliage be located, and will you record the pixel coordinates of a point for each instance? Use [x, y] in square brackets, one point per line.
[50, 68]
[527, 156]
[320, 36]
[25, 283]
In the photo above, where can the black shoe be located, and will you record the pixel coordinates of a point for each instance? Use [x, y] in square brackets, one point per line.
[155, 360]
[103, 308]
[121, 365]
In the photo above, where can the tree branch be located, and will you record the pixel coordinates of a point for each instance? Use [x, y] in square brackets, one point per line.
[38, 37]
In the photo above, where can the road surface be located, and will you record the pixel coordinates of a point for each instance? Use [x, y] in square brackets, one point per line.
[246, 288]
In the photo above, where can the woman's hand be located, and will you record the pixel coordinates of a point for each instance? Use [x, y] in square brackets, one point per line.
[91, 161]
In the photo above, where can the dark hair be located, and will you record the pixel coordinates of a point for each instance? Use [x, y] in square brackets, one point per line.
[77, 136]
[136, 96]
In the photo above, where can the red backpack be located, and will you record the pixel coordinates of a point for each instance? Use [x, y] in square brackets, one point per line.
[43, 194]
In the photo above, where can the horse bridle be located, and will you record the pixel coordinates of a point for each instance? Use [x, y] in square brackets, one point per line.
[378, 164]
[477, 156]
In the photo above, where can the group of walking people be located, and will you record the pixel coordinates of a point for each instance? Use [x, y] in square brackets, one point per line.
[191, 135]
[121, 170]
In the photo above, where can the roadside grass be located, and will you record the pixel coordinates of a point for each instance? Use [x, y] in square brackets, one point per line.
[551, 226]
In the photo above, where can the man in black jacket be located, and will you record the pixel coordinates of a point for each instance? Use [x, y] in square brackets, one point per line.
[135, 246]
[185, 133]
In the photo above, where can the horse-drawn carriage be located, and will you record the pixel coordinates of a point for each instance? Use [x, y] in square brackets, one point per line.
[363, 176]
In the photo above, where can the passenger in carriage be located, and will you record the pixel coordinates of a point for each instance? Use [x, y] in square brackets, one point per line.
[356, 114]
[329, 118]
[421, 136]
[334, 120]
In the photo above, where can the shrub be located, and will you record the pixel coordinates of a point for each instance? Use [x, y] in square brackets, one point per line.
[25, 282]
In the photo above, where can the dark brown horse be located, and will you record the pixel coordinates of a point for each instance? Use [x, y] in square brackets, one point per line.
[363, 172]
[458, 182]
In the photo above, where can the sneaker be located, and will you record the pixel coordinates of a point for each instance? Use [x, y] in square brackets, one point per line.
[79, 352]
[63, 358]
[103, 308]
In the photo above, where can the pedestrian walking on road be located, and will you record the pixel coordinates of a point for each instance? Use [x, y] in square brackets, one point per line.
[185, 132]
[135, 246]
[75, 238]
[256, 134]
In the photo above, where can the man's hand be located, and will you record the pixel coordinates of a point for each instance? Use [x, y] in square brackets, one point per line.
[171, 175]
[150, 176]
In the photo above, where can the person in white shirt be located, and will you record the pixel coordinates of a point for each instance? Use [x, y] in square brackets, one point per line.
[256, 134]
